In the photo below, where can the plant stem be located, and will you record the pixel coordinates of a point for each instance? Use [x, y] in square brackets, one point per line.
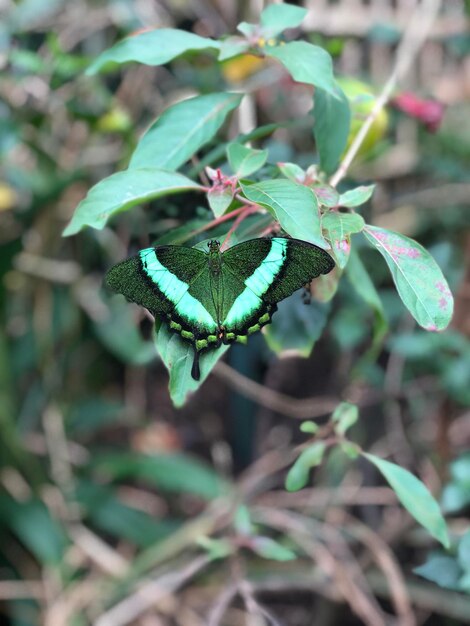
[413, 39]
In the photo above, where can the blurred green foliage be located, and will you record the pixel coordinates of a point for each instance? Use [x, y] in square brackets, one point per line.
[79, 412]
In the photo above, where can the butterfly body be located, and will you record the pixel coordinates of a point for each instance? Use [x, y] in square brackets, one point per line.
[216, 297]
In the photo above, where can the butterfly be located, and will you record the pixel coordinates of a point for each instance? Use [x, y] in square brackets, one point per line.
[215, 297]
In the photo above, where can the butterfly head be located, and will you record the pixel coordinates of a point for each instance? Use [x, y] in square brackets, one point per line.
[214, 245]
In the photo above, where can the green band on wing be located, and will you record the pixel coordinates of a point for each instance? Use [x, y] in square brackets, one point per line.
[257, 284]
[186, 306]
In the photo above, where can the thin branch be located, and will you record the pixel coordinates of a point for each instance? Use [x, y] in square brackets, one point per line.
[249, 210]
[221, 605]
[414, 37]
[150, 594]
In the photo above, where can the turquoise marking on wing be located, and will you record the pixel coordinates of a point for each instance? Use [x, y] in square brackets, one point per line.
[176, 291]
[257, 284]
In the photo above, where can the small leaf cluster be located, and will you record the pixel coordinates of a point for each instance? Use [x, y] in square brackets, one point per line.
[410, 491]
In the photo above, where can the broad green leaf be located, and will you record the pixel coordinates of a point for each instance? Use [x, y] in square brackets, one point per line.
[276, 18]
[242, 521]
[362, 283]
[119, 333]
[219, 198]
[414, 496]
[232, 47]
[309, 427]
[270, 549]
[123, 190]
[292, 171]
[106, 512]
[177, 356]
[32, 523]
[344, 416]
[244, 161]
[442, 570]
[298, 474]
[356, 197]
[326, 194]
[306, 63]
[294, 206]
[152, 47]
[175, 472]
[359, 278]
[417, 277]
[296, 326]
[350, 449]
[248, 29]
[339, 227]
[182, 130]
[91, 414]
[216, 548]
[331, 125]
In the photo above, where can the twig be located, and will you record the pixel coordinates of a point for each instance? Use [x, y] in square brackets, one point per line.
[221, 604]
[150, 594]
[99, 552]
[386, 560]
[300, 409]
[63, 272]
[253, 606]
[414, 37]
[243, 215]
[318, 497]
[21, 589]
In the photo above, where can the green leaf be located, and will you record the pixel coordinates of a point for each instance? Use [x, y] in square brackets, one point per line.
[344, 416]
[220, 198]
[174, 473]
[32, 523]
[248, 29]
[306, 63]
[276, 18]
[294, 206]
[242, 521]
[182, 129]
[123, 190]
[339, 227]
[244, 161]
[309, 427]
[350, 449]
[270, 549]
[216, 548]
[292, 171]
[106, 512]
[417, 277]
[154, 47]
[177, 355]
[361, 281]
[232, 47]
[332, 122]
[296, 326]
[414, 496]
[326, 194]
[298, 474]
[442, 570]
[463, 552]
[356, 197]
[456, 495]
[119, 333]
